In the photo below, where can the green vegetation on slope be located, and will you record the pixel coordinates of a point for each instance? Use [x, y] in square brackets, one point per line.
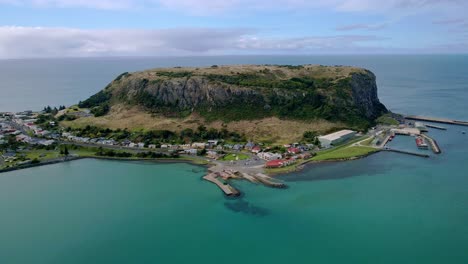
[247, 92]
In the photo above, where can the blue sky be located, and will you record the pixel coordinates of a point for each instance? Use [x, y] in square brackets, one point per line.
[83, 28]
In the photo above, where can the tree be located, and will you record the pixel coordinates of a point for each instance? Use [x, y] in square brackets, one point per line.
[65, 152]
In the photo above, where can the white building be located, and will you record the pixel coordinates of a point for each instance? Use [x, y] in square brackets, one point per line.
[198, 145]
[269, 156]
[421, 126]
[335, 138]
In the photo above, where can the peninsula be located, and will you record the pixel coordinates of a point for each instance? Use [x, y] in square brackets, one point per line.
[246, 121]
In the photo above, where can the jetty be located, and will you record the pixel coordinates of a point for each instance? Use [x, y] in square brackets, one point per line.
[437, 120]
[268, 181]
[435, 147]
[227, 189]
[436, 127]
[250, 178]
[407, 152]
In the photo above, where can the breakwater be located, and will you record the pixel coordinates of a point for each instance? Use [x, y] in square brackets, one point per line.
[437, 120]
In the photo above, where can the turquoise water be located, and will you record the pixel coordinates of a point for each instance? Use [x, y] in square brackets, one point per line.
[387, 208]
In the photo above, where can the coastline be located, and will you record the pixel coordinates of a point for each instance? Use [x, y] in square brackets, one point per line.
[207, 165]
[56, 161]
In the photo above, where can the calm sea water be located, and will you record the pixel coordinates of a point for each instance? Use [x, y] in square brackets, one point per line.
[387, 208]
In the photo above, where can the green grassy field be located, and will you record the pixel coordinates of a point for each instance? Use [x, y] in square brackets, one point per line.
[239, 156]
[344, 153]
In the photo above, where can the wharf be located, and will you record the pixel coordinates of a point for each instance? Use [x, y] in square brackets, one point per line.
[436, 127]
[435, 147]
[268, 181]
[407, 152]
[438, 120]
[226, 188]
[250, 178]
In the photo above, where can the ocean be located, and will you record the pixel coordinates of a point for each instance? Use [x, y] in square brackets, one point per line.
[386, 208]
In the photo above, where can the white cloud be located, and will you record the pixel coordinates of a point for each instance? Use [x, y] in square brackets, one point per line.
[33, 42]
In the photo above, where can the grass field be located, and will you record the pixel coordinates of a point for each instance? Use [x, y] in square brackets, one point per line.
[238, 156]
[344, 153]
[271, 129]
[41, 154]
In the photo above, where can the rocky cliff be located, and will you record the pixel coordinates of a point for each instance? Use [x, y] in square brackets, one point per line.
[231, 93]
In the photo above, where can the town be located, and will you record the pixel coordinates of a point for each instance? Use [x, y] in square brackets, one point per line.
[35, 138]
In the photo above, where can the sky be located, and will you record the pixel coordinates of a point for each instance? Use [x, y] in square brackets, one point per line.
[93, 28]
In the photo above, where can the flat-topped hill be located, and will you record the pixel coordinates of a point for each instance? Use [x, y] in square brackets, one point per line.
[238, 93]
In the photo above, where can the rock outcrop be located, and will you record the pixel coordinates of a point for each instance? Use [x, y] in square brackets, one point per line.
[247, 92]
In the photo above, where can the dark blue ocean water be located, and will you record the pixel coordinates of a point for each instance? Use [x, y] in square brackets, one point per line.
[387, 208]
[424, 84]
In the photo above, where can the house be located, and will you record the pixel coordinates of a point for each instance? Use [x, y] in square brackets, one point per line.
[198, 145]
[237, 147]
[305, 155]
[294, 150]
[213, 142]
[256, 149]
[335, 138]
[250, 145]
[46, 142]
[165, 146]
[212, 154]
[132, 145]
[191, 151]
[152, 146]
[141, 145]
[174, 147]
[275, 164]
[228, 146]
[8, 155]
[185, 146]
[269, 156]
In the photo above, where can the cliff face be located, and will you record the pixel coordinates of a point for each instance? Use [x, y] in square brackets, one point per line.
[248, 92]
[364, 89]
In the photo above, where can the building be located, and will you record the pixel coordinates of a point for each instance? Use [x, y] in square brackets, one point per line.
[294, 150]
[191, 151]
[269, 156]
[198, 145]
[335, 138]
[421, 126]
[274, 164]
[256, 149]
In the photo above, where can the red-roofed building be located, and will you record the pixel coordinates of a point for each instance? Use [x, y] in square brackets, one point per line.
[294, 150]
[256, 149]
[274, 164]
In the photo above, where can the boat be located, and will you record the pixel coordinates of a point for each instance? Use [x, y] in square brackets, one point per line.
[421, 143]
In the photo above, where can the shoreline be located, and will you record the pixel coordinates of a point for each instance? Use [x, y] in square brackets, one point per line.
[208, 165]
[57, 161]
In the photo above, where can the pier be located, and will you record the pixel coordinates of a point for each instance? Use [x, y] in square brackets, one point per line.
[226, 188]
[268, 181]
[407, 152]
[436, 127]
[438, 120]
[435, 147]
[250, 178]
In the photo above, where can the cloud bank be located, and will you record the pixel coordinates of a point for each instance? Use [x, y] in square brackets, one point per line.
[36, 42]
